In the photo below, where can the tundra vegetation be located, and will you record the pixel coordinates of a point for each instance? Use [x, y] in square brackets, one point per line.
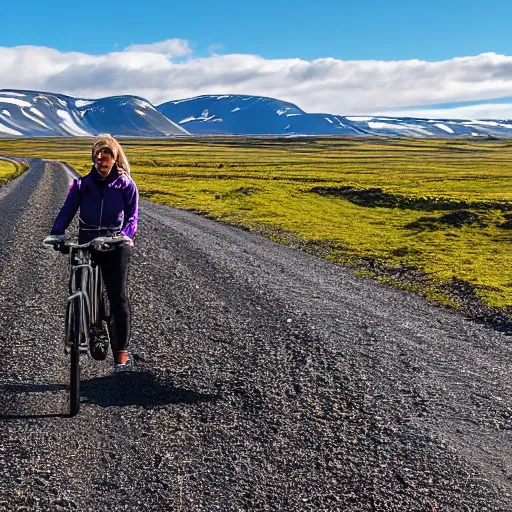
[432, 216]
[10, 170]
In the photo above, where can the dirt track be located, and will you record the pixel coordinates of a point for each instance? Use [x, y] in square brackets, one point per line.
[264, 379]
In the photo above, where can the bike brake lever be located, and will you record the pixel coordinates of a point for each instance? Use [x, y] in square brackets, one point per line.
[64, 249]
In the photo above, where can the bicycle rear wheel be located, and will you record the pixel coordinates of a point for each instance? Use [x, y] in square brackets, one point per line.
[73, 341]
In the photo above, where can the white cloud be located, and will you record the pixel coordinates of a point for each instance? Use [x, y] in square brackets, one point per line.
[215, 49]
[170, 48]
[324, 85]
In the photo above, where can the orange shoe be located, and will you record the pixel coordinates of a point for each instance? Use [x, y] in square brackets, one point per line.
[121, 359]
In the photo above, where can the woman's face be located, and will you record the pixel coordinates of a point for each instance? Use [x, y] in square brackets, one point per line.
[104, 161]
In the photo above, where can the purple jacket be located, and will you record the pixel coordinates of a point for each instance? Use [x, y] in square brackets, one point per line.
[106, 205]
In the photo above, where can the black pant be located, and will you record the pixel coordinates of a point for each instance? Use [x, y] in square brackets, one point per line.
[114, 270]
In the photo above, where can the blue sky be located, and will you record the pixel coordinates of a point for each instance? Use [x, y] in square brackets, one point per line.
[371, 29]
[335, 55]
[343, 29]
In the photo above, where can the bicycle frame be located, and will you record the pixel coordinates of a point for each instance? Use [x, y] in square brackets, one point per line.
[85, 286]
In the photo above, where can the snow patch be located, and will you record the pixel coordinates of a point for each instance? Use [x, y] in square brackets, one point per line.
[187, 120]
[410, 128]
[83, 103]
[202, 118]
[69, 125]
[327, 119]
[13, 93]
[359, 118]
[236, 109]
[444, 127]
[35, 119]
[222, 97]
[483, 123]
[182, 101]
[41, 97]
[6, 113]
[36, 112]
[380, 126]
[6, 129]
[418, 129]
[15, 101]
[140, 103]
[292, 115]
[140, 112]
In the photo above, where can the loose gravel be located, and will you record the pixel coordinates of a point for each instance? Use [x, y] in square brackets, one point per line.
[264, 378]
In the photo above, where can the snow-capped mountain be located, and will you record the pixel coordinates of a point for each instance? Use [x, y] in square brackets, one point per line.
[251, 115]
[39, 114]
[414, 127]
[255, 115]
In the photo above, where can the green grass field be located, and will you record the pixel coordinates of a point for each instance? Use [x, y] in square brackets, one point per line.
[437, 210]
[9, 171]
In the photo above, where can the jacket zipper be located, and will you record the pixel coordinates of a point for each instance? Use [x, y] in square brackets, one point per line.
[101, 207]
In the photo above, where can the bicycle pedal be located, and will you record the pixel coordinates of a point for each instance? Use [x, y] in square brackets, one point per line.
[98, 352]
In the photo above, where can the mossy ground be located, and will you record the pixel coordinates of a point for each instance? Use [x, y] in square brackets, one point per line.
[9, 171]
[372, 204]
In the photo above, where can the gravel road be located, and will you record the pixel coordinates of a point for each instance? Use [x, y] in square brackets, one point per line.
[264, 379]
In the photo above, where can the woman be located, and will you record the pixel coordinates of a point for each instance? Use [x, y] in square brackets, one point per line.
[107, 198]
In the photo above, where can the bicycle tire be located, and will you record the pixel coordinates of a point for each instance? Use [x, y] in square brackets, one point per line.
[73, 337]
[74, 379]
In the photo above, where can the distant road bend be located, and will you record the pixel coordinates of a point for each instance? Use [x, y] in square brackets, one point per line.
[264, 379]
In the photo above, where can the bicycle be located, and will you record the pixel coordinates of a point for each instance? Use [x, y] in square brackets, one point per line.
[88, 326]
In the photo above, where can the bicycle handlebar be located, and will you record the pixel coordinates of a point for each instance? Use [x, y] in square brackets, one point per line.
[102, 243]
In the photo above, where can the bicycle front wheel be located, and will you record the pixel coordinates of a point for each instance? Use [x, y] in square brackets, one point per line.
[74, 378]
[73, 342]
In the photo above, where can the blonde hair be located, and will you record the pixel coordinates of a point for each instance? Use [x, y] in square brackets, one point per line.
[107, 141]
